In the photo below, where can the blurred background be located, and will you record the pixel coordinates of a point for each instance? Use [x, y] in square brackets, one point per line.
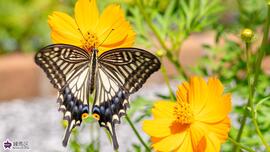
[211, 46]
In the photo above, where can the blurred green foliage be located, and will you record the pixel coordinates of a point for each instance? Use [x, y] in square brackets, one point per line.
[175, 20]
[24, 25]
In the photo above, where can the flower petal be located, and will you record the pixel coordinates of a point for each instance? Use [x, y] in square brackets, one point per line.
[170, 143]
[197, 94]
[113, 29]
[212, 143]
[163, 109]
[86, 15]
[209, 143]
[182, 92]
[215, 86]
[155, 139]
[201, 145]
[186, 145]
[220, 129]
[59, 37]
[111, 18]
[217, 106]
[163, 129]
[128, 41]
[216, 110]
[64, 29]
[197, 132]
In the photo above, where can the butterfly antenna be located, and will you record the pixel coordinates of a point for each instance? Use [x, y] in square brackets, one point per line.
[81, 31]
[105, 38]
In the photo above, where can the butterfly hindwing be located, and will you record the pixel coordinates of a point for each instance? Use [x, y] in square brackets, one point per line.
[67, 67]
[110, 102]
[121, 72]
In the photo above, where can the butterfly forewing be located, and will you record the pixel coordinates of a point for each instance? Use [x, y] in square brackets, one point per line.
[68, 69]
[120, 73]
[130, 67]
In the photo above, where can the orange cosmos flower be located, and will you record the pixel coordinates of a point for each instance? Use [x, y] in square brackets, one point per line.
[198, 121]
[88, 29]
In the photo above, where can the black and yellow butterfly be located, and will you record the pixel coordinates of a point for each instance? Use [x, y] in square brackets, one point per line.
[110, 77]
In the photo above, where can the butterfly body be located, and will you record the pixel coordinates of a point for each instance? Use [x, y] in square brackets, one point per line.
[110, 77]
[93, 66]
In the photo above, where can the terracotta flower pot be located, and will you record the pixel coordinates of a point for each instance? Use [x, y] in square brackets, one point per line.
[19, 77]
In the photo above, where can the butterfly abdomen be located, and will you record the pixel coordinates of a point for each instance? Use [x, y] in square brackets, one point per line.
[93, 67]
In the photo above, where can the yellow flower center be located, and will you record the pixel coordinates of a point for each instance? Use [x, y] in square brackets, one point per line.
[183, 113]
[89, 41]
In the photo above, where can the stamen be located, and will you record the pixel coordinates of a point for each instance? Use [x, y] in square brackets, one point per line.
[90, 41]
[183, 113]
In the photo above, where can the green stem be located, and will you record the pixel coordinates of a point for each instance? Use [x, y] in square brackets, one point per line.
[137, 134]
[240, 145]
[152, 27]
[251, 102]
[263, 48]
[240, 6]
[250, 96]
[242, 125]
[175, 61]
[170, 56]
[261, 54]
[253, 84]
[258, 130]
[166, 78]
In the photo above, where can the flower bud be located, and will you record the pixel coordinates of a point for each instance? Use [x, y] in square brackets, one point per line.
[131, 2]
[247, 35]
[160, 53]
[64, 123]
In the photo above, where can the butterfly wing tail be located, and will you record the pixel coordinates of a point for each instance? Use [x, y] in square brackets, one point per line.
[71, 125]
[114, 139]
[110, 127]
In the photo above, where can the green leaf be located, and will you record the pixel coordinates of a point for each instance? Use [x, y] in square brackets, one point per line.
[259, 104]
[139, 104]
[162, 96]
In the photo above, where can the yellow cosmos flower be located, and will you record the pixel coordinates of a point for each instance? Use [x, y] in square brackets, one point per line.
[197, 122]
[89, 29]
